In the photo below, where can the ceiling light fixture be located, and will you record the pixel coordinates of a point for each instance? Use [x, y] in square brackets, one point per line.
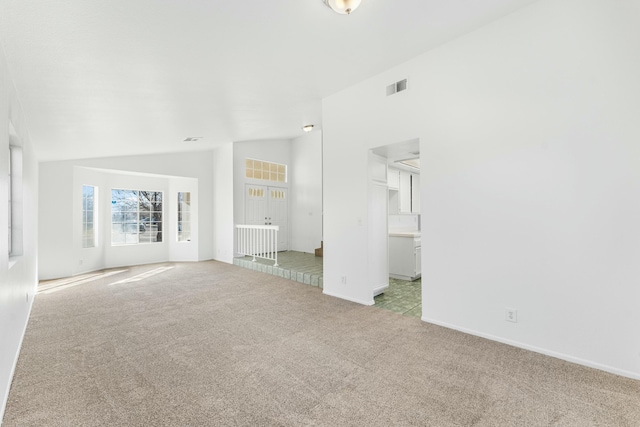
[344, 7]
[307, 128]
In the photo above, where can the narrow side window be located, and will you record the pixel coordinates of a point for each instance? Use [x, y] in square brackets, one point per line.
[184, 217]
[15, 198]
[89, 208]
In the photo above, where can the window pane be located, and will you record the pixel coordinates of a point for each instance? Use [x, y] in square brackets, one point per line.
[184, 216]
[136, 216]
[88, 203]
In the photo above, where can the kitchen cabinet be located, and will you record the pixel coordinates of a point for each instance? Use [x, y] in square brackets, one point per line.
[404, 192]
[393, 178]
[415, 193]
[405, 251]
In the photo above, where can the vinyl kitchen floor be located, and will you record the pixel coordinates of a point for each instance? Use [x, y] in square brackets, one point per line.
[401, 297]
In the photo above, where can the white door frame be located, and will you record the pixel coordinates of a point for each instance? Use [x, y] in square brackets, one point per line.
[269, 209]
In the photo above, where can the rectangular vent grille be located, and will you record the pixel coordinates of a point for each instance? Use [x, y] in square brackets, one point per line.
[397, 87]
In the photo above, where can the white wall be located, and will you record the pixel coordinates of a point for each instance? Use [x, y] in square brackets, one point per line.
[18, 280]
[530, 179]
[306, 192]
[223, 226]
[61, 182]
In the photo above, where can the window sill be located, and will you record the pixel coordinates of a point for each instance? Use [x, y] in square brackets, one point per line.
[13, 260]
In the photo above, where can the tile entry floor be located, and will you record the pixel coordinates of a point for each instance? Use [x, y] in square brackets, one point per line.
[401, 297]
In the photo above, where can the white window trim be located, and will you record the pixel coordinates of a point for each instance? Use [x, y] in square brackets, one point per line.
[138, 219]
[95, 217]
[179, 221]
[16, 202]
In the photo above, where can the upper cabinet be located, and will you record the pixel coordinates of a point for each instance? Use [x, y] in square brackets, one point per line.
[404, 191]
[415, 193]
[404, 199]
[393, 179]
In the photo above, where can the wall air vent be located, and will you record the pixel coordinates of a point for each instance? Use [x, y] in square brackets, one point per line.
[397, 87]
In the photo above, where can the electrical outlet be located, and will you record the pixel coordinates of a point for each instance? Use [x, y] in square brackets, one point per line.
[344, 280]
[511, 315]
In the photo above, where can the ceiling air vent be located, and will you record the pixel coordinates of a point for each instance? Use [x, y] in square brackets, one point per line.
[397, 87]
[192, 139]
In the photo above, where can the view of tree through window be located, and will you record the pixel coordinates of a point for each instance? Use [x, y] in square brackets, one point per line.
[136, 217]
[184, 217]
[88, 216]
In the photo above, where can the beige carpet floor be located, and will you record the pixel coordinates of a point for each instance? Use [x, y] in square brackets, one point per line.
[210, 344]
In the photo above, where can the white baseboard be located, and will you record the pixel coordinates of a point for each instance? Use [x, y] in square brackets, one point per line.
[331, 294]
[380, 289]
[5, 397]
[546, 352]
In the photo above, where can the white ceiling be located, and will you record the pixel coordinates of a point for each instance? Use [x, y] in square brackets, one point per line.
[118, 77]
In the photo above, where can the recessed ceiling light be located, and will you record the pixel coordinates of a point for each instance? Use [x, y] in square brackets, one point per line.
[307, 128]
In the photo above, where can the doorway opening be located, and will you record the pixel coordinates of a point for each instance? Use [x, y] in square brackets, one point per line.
[403, 209]
[268, 205]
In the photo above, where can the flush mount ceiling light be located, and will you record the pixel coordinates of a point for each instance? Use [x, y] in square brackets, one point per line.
[344, 7]
[307, 128]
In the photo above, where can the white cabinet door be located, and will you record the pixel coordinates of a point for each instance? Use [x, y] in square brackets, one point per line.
[404, 257]
[405, 192]
[415, 193]
[394, 179]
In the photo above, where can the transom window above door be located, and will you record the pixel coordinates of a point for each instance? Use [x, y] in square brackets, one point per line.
[267, 171]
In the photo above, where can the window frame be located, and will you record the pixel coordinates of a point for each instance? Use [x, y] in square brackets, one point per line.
[94, 217]
[183, 233]
[265, 171]
[15, 205]
[140, 221]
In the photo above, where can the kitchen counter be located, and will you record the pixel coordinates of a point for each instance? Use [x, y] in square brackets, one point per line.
[404, 234]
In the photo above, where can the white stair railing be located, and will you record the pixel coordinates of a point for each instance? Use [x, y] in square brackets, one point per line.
[258, 241]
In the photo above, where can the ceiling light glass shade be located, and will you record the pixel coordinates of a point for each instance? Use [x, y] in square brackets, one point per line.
[307, 128]
[344, 7]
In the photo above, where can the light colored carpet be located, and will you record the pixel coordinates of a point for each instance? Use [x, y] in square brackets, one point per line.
[211, 344]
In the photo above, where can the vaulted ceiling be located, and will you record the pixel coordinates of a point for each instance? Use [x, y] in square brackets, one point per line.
[119, 77]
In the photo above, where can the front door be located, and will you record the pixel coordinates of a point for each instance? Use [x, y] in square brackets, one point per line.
[268, 206]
